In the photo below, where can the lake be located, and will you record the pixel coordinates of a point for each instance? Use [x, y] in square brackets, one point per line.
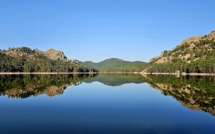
[107, 104]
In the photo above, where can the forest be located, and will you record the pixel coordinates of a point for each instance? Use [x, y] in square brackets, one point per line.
[116, 65]
[40, 63]
[198, 66]
[201, 59]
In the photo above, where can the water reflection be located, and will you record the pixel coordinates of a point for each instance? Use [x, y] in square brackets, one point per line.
[197, 93]
[194, 92]
[23, 86]
[116, 79]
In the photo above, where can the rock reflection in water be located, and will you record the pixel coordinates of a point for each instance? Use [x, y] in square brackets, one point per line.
[23, 86]
[197, 93]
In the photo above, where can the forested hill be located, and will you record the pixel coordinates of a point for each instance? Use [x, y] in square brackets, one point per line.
[116, 79]
[23, 59]
[115, 65]
[193, 55]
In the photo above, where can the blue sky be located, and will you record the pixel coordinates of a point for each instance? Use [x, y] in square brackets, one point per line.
[99, 29]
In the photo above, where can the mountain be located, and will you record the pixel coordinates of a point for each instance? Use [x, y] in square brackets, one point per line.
[23, 59]
[193, 55]
[115, 65]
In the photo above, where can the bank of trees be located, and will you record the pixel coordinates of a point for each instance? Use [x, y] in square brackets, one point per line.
[198, 66]
[200, 58]
[9, 64]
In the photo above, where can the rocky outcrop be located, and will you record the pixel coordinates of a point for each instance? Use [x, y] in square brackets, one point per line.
[36, 55]
[190, 40]
[26, 52]
[59, 55]
[193, 55]
[187, 50]
[211, 35]
[55, 54]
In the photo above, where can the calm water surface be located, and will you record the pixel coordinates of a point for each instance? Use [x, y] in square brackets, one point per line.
[107, 104]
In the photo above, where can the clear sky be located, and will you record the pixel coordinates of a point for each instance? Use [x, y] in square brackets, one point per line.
[99, 29]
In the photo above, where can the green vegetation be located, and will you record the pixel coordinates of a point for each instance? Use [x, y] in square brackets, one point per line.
[194, 92]
[116, 65]
[23, 86]
[198, 66]
[191, 57]
[202, 83]
[116, 79]
[26, 60]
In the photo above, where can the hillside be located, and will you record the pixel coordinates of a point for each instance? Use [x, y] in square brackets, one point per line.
[115, 65]
[193, 55]
[23, 59]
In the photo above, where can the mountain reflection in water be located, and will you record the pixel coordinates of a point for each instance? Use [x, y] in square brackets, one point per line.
[24, 86]
[197, 93]
[194, 92]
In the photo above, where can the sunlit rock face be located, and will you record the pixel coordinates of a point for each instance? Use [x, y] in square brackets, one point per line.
[55, 54]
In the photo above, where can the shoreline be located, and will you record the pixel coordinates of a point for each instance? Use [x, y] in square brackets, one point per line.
[145, 73]
[181, 74]
[118, 72]
[23, 73]
[27, 73]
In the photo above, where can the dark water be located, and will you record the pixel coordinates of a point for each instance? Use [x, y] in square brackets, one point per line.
[107, 104]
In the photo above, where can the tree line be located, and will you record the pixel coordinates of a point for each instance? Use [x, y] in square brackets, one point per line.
[201, 58]
[198, 66]
[10, 64]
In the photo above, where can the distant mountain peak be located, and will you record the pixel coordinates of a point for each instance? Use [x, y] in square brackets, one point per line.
[115, 65]
[113, 59]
